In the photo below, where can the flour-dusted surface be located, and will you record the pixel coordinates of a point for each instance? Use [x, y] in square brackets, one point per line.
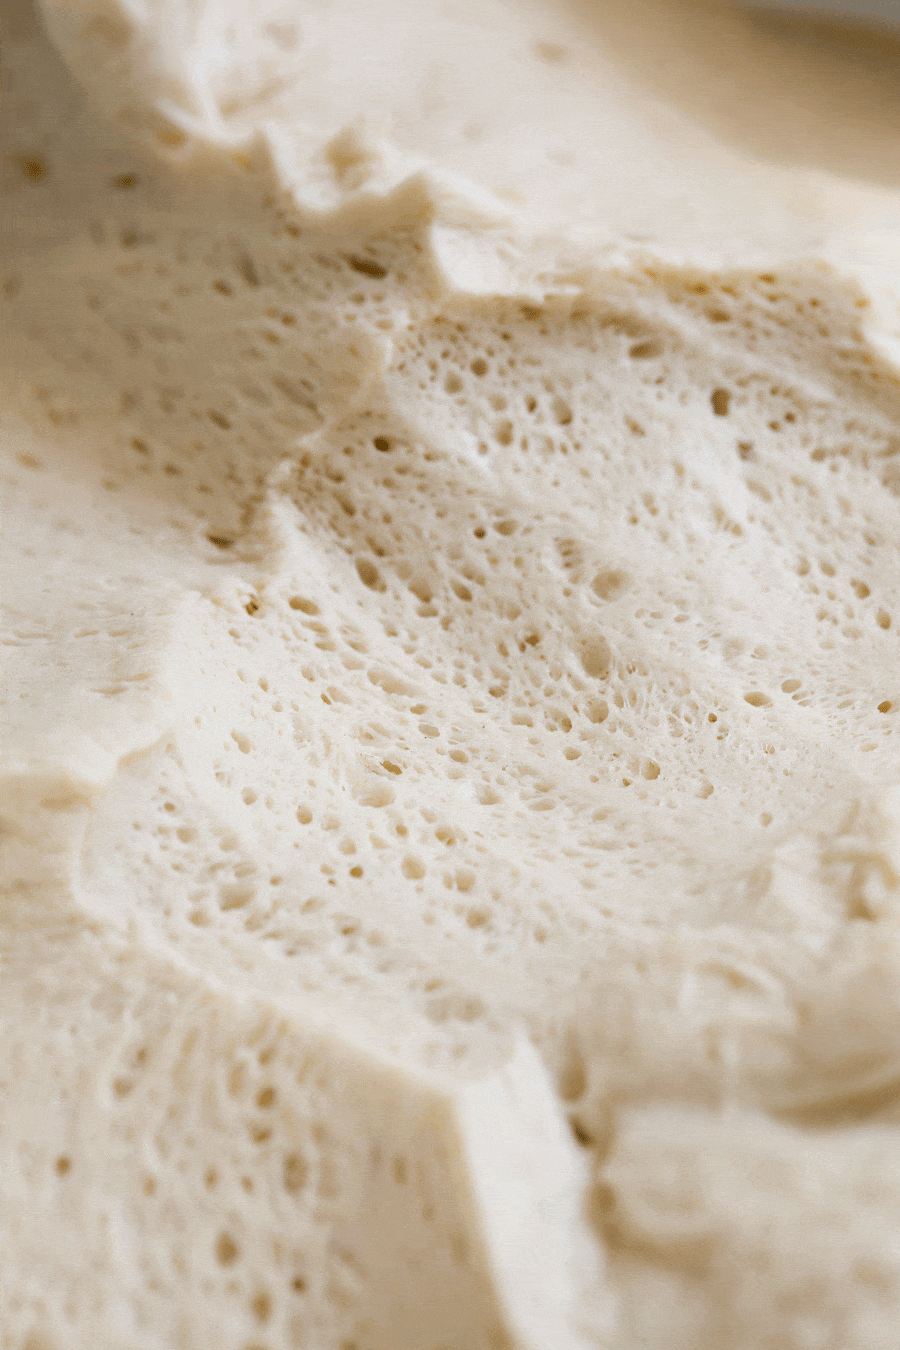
[451, 779]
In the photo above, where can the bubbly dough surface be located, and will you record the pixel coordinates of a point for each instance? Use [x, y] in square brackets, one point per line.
[451, 778]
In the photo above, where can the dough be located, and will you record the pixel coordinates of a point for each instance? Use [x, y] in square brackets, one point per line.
[451, 776]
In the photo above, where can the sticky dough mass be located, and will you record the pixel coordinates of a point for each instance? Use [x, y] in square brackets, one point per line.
[451, 784]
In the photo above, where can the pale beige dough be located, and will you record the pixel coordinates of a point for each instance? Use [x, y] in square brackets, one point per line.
[451, 789]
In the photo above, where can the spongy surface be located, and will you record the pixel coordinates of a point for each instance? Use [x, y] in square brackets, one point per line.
[451, 770]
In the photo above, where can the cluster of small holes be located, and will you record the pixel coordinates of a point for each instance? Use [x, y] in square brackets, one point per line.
[265, 376]
[267, 1143]
[465, 615]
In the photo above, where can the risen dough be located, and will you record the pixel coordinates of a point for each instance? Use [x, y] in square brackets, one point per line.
[451, 782]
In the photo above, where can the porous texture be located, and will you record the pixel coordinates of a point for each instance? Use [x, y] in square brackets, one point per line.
[451, 776]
